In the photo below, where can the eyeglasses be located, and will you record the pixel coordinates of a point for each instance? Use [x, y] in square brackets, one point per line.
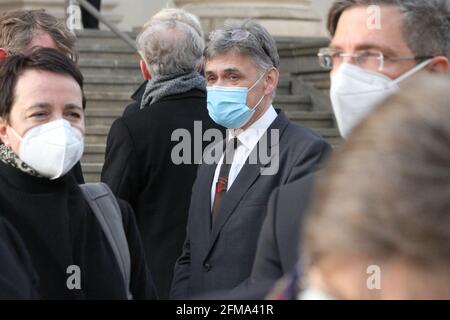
[365, 59]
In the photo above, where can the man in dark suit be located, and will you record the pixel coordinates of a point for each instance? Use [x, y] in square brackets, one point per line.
[139, 162]
[230, 194]
[278, 243]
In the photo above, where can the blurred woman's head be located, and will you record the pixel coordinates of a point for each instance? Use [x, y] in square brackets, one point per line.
[380, 222]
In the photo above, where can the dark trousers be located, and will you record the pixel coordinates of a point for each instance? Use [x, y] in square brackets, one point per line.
[89, 22]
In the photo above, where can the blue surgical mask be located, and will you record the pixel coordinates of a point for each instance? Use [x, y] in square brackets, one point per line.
[227, 106]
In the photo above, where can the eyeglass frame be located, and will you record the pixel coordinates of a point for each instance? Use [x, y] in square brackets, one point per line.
[381, 57]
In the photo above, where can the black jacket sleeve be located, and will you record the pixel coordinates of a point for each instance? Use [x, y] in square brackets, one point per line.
[18, 279]
[267, 263]
[121, 171]
[142, 286]
[180, 283]
[311, 160]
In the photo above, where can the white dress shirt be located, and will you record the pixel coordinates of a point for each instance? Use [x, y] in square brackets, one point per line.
[247, 141]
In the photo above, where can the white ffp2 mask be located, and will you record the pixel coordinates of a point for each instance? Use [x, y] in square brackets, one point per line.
[52, 149]
[355, 92]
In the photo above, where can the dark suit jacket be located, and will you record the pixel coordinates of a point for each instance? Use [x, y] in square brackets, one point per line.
[278, 243]
[139, 169]
[222, 257]
[137, 97]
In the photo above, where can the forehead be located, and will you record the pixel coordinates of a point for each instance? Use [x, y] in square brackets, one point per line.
[382, 25]
[39, 84]
[228, 61]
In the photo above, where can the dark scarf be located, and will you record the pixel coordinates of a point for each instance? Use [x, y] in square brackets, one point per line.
[168, 85]
[9, 157]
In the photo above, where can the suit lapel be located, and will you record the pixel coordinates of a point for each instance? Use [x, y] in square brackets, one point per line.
[245, 179]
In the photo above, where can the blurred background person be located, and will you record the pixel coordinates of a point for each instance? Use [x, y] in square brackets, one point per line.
[379, 226]
[138, 165]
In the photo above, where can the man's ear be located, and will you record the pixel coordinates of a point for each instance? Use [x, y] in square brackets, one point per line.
[3, 132]
[439, 64]
[144, 70]
[3, 54]
[271, 81]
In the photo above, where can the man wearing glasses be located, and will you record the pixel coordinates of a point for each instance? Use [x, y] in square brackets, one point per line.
[367, 64]
[368, 61]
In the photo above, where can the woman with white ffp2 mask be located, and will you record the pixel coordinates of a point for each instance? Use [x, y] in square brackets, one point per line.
[42, 138]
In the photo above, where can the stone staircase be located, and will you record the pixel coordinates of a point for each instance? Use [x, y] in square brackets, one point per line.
[111, 72]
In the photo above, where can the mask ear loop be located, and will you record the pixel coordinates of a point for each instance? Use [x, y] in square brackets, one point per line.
[412, 71]
[260, 100]
[16, 134]
[259, 79]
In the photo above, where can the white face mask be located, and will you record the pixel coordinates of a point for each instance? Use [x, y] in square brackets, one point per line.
[355, 92]
[52, 149]
[313, 293]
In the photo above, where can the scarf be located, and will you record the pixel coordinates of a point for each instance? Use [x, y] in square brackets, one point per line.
[9, 157]
[168, 85]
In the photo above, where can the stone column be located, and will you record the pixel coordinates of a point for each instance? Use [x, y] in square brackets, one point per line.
[56, 7]
[280, 17]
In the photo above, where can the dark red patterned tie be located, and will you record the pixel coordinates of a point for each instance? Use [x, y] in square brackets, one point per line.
[222, 181]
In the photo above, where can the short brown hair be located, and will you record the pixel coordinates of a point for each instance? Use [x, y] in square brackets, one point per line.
[426, 24]
[17, 29]
[386, 192]
[45, 59]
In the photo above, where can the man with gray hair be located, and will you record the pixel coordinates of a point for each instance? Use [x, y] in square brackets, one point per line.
[262, 151]
[138, 163]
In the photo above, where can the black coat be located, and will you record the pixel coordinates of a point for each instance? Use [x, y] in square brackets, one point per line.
[60, 230]
[18, 279]
[138, 168]
[221, 257]
[278, 243]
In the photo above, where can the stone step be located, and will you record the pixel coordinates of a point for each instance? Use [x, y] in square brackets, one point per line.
[89, 36]
[105, 51]
[92, 162]
[129, 83]
[91, 171]
[94, 153]
[98, 134]
[317, 119]
[111, 100]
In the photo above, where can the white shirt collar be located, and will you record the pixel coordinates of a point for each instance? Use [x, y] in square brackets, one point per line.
[250, 136]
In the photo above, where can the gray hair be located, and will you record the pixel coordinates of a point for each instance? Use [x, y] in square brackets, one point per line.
[179, 15]
[250, 39]
[170, 47]
[426, 24]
